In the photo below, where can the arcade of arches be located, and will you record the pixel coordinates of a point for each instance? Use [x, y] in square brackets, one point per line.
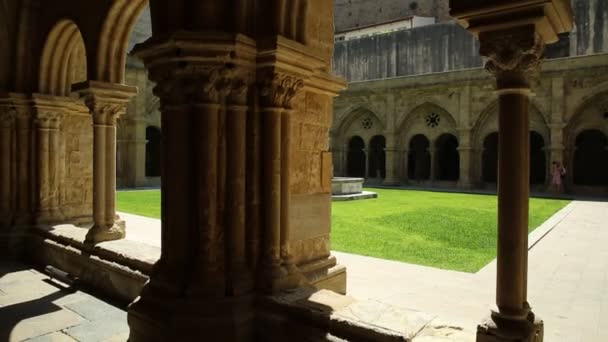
[441, 129]
[245, 99]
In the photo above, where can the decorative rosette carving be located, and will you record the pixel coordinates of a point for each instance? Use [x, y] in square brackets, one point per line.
[513, 56]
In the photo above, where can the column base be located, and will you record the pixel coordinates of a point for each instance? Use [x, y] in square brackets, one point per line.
[504, 329]
[391, 182]
[159, 318]
[99, 234]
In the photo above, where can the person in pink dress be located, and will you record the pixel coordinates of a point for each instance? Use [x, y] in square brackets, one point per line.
[557, 173]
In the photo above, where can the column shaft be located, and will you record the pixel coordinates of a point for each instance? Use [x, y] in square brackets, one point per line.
[513, 192]
[109, 151]
[6, 157]
[236, 134]
[99, 175]
[272, 191]
[285, 188]
[23, 168]
[254, 192]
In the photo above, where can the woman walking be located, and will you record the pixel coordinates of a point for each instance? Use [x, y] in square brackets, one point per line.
[557, 173]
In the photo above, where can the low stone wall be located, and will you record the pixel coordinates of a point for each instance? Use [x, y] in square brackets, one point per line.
[346, 186]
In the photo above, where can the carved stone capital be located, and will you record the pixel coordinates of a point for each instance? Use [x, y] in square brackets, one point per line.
[7, 117]
[191, 84]
[48, 119]
[278, 89]
[513, 56]
[105, 113]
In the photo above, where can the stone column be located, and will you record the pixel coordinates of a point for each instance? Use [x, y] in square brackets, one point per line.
[277, 92]
[7, 129]
[391, 154]
[366, 153]
[406, 165]
[465, 152]
[239, 279]
[513, 56]
[433, 164]
[512, 35]
[106, 102]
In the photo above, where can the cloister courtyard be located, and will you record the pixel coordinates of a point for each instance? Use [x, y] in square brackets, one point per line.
[453, 231]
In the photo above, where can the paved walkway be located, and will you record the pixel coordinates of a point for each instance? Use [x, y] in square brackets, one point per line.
[35, 309]
[568, 278]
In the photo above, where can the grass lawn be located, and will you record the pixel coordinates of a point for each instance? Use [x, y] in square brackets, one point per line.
[445, 230]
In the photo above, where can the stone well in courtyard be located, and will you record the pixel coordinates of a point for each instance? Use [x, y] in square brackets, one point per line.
[348, 189]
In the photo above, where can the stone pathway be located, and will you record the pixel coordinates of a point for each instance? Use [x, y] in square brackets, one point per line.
[568, 279]
[35, 309]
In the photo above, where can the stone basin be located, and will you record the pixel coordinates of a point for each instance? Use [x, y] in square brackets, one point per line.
[346, 186]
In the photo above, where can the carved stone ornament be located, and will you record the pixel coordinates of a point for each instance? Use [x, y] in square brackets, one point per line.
[279, 89]
[48, 119]
[513, 56]
[195, 84]
[106, 113]
[7, 117]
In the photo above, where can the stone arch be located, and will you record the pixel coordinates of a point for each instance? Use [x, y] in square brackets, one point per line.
[538, 158]
[487, 122]
[420, 120]
[153, 151]
[419, 158]
[360, 122]
[64, 60]
[377, 157]
[355, 159]
[590, 160]
[489, 158]
[591, 115]
[447, 157]
[114, 39]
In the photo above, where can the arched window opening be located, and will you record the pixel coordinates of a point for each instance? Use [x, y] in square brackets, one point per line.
[538, 160]
[490, 158]
[377, 157]
[448, 159]
[591, 159]
[419, 158]
[356, 157]
[153, 136]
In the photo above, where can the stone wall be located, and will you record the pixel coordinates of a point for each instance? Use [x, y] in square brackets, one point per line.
[351, 14]
[570, 96]
[447, 46]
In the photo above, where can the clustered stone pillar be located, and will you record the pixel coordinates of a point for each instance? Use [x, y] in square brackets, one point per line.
[433, 172]
[106, 103]
[391, 154]
[513, 56]
[406, 160]
[277, 92]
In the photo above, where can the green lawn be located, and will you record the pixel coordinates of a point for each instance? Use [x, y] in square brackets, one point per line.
[445, 230]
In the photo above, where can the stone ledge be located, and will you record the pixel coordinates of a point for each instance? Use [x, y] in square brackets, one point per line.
[363, 195]
[346, 318]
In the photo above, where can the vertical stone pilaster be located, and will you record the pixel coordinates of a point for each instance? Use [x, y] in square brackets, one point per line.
[406, 160]
[7, 130]
[465, 152]
[432, 151]
[47, 123]
[391, 157]
[278, 91]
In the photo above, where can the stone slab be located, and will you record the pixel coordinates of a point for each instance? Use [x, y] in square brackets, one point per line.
[53, 337]
[99, 330]
[354, 197]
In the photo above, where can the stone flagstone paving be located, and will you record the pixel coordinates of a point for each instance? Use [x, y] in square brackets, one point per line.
[567, 287]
